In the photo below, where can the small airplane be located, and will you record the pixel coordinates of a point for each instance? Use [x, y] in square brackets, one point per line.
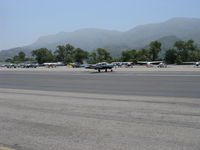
[28, 65]
[53, 64]
[126, 64]
[197, 63]
[9, 65]
[150, 63]
[101, 66]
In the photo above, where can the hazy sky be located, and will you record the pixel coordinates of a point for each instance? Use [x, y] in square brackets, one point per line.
[23, 21]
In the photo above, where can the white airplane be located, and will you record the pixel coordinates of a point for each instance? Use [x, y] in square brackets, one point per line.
[197, 63]
[54, 64]
[151, 63]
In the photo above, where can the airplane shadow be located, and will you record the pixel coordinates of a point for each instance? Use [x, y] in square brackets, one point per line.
[102, 72]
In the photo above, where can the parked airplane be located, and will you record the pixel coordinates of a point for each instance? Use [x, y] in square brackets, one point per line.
[53, 64]
[197, 64]
[101, 66]
[151, 63]
[28, 65]
[162, 65]
[77, 65]
[126, 64]
[9, 65]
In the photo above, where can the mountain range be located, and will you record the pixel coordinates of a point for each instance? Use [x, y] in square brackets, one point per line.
[89, 39]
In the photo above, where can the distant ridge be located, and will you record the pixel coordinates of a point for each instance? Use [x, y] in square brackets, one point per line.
[115, 41]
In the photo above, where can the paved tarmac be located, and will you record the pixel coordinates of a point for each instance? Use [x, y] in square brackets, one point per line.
[163, 83]
[85, 110]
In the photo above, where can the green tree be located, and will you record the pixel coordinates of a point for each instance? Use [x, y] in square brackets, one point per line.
[43, 55]
[154, 49]
[185, 49]
[170, 56]
[69, 49]
[184, 55]
[80, 55]
[129, 55]
[60, 53]
[9, 60]
[189, 45]
[65, 53]
[68, 59]
[21, 56]
[179, 45]
[92, 58]
[195, 56]
[178, 60]
[144, 55]
[103, 55]
[16, 59]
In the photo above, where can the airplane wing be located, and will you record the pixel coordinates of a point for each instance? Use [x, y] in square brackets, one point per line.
[149, 62]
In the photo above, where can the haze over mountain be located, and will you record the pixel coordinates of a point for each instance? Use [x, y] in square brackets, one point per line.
[115, 41]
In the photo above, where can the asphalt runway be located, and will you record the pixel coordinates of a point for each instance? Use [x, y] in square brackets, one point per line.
[85, 110]
[179, 84]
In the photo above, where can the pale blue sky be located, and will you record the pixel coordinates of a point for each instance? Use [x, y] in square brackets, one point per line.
[23, 21]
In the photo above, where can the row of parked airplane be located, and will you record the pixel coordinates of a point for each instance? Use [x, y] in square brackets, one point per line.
[99, 66]
[106, 66]
[20, 65]
[30, 65]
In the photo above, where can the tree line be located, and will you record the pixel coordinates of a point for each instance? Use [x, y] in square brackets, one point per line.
[182, 51]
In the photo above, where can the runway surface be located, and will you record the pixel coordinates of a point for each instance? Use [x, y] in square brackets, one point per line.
[181, 84]
[85, 110]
